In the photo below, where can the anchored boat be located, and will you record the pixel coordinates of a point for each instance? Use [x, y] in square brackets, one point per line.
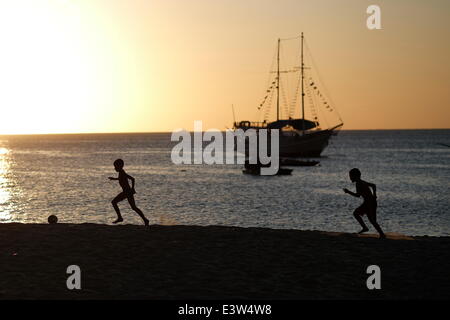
[299, 137]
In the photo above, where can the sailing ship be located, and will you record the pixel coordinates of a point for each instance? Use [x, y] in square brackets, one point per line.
[299, 137]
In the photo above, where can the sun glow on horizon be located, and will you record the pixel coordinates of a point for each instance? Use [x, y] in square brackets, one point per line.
[57, 71]
[90, 66]
[43, 70]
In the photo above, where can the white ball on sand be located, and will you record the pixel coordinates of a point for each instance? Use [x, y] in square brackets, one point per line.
[52, 219]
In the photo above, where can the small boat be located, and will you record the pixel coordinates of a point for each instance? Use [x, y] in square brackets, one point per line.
[257, 171]
[298, 163]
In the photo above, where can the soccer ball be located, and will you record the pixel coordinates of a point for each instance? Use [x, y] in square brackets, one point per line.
[52, 219]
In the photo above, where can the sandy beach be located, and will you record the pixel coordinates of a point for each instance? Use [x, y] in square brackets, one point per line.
[192, 262]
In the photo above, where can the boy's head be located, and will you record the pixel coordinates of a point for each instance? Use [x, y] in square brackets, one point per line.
[355, 174]
[118, 164]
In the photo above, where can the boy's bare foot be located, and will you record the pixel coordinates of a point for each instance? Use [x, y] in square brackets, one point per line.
[363, 230]
[118, 220]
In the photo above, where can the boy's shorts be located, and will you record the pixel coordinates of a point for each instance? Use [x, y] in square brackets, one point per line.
[368, 207]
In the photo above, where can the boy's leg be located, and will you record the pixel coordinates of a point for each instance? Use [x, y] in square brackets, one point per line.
[357, 214]
[121, 196]
[372, 216]
[136, 209]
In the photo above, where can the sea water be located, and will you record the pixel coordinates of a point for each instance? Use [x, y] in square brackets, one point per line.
[67, 175]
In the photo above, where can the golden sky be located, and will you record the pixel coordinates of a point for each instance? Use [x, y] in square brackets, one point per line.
[158, 65]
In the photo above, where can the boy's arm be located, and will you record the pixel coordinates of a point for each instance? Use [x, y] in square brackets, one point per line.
[374, 188]
[132, 181]
[111, 178]
[355, 194]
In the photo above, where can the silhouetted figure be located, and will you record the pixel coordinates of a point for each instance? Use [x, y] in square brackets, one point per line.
[369, 206]
[127, 193]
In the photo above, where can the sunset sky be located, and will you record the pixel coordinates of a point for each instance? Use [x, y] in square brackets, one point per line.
[157, 65]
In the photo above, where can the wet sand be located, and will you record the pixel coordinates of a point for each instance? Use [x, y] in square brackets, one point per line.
[191, 262]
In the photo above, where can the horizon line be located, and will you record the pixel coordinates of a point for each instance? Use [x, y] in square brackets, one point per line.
[165, 132]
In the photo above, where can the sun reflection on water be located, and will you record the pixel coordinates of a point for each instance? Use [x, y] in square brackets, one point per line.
[5, 194]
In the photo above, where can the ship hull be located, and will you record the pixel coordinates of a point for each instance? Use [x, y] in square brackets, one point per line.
[308, 145]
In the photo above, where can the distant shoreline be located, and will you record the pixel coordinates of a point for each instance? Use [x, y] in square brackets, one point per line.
[169, 132]
[216, 262]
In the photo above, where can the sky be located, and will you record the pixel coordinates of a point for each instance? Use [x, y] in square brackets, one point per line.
[69, 66]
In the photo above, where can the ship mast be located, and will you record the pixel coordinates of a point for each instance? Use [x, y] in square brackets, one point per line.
[303, 92]
[278, 81]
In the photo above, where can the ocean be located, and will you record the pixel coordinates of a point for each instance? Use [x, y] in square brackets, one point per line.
[67, 175]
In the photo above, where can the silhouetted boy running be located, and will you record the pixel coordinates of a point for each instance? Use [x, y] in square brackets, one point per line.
[369, 206]
[127, 193]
